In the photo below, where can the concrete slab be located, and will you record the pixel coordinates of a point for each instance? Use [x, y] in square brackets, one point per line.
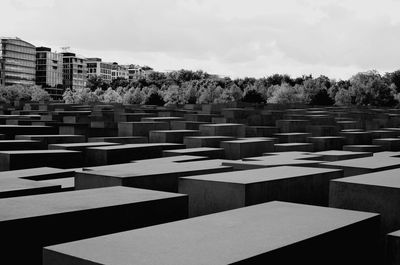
[107, 155]
[238, 149]
[120, 140]
[205, 141]
[287, 147]
[171, 136]
[163, 176]
[14, 187]
[377, 192]
[209, 152]
[31, 222]
[336, 155]
[11, 160]
[224, 191]
[363, 148]
[53, 139]
[364, 165]
[223, 129]
[270, 233]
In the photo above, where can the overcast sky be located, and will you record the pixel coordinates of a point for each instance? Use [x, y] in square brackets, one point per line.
[229, 37]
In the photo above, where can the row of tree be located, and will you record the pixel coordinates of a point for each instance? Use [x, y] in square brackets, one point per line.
[181, 87]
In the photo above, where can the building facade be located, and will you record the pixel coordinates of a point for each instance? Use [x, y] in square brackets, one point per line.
[49, 71]
[136, 72]
[74, 71]
[17, 62]
[119, 71]
[95, 67]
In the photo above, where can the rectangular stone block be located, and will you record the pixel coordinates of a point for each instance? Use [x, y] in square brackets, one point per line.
[171, 136]
[11, 160]
[120, 139]
[53, 139]
[363, 148]
[269, 233]
[161, 176]
[364, 165]
[223, 129]
[324, 143]
[238, 149]
[205, 141]
[140, 128]
[294, 137]
[289, 126]
[14, 187]
[388, 144]
[29, 223]
[288, 147]
[209, 152]
[377, 192]
[337, 155]
[11, 130]
[224, 191]
[20, 145]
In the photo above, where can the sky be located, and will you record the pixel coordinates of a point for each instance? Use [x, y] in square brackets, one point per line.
[236, 38]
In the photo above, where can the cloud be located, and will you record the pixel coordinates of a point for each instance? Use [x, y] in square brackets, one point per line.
[231, 37]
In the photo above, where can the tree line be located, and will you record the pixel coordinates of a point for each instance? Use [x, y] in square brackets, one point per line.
[197, 87]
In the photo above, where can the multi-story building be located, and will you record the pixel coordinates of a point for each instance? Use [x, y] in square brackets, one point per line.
[74, 71]
[119, 71]
[49, 71]
[95, 67]
[136, 72]
[17, 62]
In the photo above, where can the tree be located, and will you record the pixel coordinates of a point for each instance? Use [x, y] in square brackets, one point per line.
[369, 88]
[287, 94]
[343, 97]
[174, 95]
[119, 82]
[94, 82]
[134, 96]
[111, 96]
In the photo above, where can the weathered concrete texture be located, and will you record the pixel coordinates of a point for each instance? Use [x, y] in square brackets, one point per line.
[270, 233]
[171, 136]
[11, 160]
[209, 152]
[29, 223]
[225, 191]
[364, 165]
[377, 192]
[162, 176]
[238, 149]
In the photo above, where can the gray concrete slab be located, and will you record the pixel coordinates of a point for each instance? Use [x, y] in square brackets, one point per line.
[31, 222]
[270, 233]
[224, 191]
